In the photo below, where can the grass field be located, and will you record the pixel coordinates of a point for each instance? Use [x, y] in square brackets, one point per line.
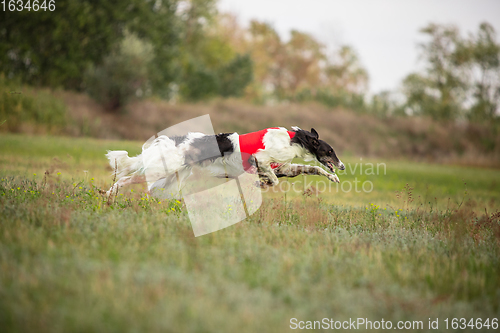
[424, 243]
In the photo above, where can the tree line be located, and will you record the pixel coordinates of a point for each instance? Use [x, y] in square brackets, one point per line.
[185, 50]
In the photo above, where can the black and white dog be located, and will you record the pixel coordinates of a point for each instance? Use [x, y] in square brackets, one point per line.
[167, 162]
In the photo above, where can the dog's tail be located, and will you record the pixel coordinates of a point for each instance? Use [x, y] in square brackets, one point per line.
[122, 163]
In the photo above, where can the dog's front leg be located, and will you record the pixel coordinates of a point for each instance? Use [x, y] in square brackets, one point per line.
[267, 176]
[293, 170]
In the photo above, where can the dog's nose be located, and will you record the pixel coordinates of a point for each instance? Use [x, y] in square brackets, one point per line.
[341, 166]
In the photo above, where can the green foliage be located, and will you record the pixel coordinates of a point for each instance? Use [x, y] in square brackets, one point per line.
[485, 51]
[214, 52]
[340, 98]
[344, 71]
[190, 52]
[235, 76]
[459, 70]
[123, 75]
[442, 91]
[156, 24]
[187, 50]
[421, 102]
[209, 64]
[199, 82]
[196, 17]
[20, 106]
[55, 48]
[198, 58]
[301, 69]
[384, 105]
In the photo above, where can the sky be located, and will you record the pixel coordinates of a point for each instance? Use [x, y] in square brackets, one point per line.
[384, 33]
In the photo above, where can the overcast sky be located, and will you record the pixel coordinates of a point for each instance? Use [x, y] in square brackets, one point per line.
[383, 32]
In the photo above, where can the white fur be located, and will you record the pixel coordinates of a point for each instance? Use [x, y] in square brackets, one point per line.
[159, 161]
[162, 164]
[119, 160]
[278, 148]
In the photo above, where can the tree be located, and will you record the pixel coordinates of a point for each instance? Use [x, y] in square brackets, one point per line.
[304, 59]
[123, 74]
[209, 63]
[235, 76]
[485, 53]
[462, 75]
[345, 72]
[53, 48]
[441, 91]
[300, 69]
[269, 56]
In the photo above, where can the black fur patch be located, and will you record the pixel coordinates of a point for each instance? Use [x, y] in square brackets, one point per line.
[178, 139]
[208, 147]
[304, 139]
[225, 145]
[323, 152]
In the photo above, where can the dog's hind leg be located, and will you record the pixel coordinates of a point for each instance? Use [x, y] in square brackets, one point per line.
[293, 170]
[170, 187]
[267, 175]
[124, 181]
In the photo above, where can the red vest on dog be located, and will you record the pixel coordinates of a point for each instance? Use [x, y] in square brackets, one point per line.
[251, 143]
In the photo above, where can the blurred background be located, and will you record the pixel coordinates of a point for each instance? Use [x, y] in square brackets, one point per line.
[417, 80]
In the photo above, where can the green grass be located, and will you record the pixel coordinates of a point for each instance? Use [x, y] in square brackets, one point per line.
[433, 184]
[72, 261]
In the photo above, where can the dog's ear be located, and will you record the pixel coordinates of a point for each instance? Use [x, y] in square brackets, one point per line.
[314, 133]
[314, 141]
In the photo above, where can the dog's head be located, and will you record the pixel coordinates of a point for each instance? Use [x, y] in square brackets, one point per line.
[321, 150]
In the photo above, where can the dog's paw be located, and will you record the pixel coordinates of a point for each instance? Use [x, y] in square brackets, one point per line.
[260, 183]
[264, 183]
[334, 178]
[108, 193]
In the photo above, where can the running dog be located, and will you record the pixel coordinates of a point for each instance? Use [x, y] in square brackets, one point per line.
[168, 161]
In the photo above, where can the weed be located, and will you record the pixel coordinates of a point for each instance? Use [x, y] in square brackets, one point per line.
[71, 260]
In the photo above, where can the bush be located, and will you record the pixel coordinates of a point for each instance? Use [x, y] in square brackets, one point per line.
[20, 106]
[123, 75]
[199, 82]
[333, 99]
[235, 76]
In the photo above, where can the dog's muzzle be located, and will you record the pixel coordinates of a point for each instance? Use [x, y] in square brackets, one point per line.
[332, 165]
